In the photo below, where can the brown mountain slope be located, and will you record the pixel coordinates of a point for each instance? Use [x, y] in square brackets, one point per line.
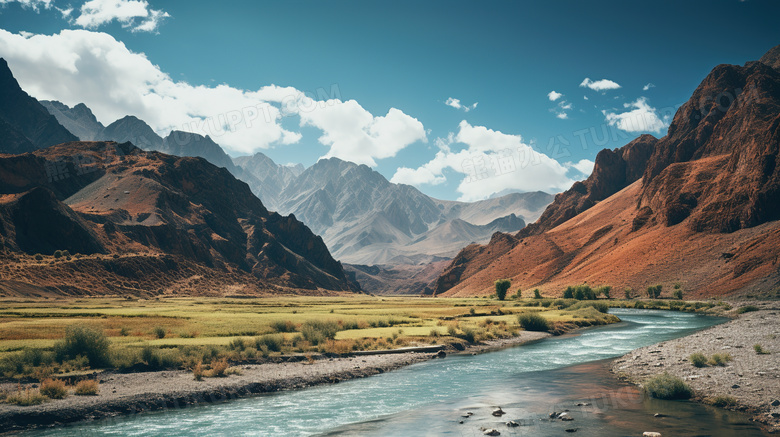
[148, 215]
[703, 214]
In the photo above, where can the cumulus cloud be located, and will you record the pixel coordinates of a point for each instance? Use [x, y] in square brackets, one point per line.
[32, 4]
[455, 103]
[599, 85]
[553, 96]
[491, 161]
[584, 166]
[560, 110]
[648, 86]
[77, 66]
[133, 14]
[642, 118]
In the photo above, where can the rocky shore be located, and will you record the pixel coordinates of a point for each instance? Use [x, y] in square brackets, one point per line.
[133, 393]
[750, 382]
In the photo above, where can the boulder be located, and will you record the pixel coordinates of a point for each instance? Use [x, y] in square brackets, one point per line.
[498, 412]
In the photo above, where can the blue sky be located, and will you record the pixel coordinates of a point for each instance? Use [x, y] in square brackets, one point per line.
[398, 63]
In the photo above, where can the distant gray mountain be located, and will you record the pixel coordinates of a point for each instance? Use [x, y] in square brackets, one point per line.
[365, 219]
[80, 121]
[269, 179]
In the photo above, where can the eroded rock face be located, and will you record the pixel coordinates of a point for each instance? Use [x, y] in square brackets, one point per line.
[715, 171]
[25, 125]
[718, 163]
[115, 198]
[613, 170]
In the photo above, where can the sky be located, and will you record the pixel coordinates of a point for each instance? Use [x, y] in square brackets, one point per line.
[463, 99]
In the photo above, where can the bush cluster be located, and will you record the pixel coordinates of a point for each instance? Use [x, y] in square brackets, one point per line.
[666, 386]
[533, 322]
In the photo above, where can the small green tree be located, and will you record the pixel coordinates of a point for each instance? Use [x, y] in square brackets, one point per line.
[502, 286]
[537, 294]
[605, 290]
[568, 293]
[654, 291]
[519, 293]
[678, 294]
[627, 293]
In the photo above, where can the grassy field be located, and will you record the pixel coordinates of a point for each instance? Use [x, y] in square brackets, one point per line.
[182, 332]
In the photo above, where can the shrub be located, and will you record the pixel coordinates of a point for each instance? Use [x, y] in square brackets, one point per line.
[568, 293]
[197, 371]
[26, 398]
[317, 331]
[469, 335]
[627, 293]
[760, 349]
[271, 341]
[599, 306]
[698, 359]
[502, 286]
[722, 401]
[537, 294]
[54, 388]
[639, 305]
[678, 294]
[654, 291]
[283, 326]
[87, 387]
[38, 257]
[159, 332]
[533, 322]
[124, 332]
[84, 341]
[719, 359]
[57, 254]
[666, 386]
[218, 369]
[747, 309]
[519, 293]
[605, 290]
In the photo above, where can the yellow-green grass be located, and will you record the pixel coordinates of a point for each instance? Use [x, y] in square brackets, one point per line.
[363, 322]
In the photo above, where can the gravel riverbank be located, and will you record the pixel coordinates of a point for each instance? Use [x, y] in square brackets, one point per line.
[750, 379]
[133, 393]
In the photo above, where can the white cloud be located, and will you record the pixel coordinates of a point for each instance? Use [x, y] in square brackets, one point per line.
[561, 108]
[648, 86]
[599, 85]
[32, 4]
[584, 166]
[455, 103]
[77, 66]
[134, 14]
[65, 12]
[553, 96]
[491, 161]
[643, 118]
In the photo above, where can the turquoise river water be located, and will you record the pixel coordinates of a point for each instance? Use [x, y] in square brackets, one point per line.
[429, 398]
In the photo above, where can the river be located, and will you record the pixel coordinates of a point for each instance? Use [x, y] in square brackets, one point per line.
[429, 398]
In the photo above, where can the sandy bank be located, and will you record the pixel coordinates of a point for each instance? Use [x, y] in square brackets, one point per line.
[751, 379]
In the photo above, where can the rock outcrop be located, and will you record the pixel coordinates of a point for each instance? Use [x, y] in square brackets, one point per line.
[661, 210]
[104, 198]
[25, 125]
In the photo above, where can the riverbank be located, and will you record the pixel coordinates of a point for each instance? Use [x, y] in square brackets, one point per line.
[750, 381]
[133, 393]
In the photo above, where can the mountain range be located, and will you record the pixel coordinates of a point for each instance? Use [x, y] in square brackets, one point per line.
[122, 220]
[697, 209]
[363, 218]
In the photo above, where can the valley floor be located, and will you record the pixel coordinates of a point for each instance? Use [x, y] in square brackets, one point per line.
[750, 381]
[133, 393]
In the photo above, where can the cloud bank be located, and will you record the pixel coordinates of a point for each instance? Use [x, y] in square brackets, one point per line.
[642, 118]
[491, 161]
[78, 66]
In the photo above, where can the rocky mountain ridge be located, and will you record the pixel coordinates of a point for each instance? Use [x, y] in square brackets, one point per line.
[698, 207]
